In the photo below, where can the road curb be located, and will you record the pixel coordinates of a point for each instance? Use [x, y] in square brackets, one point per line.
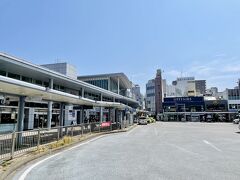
[8, 173]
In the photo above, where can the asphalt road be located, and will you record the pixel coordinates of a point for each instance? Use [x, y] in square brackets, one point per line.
[165, 150]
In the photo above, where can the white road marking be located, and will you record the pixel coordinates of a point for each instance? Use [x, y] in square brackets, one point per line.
[210, 144]
[155, 130]
[183, 149]
[29, 169]
[131, 131]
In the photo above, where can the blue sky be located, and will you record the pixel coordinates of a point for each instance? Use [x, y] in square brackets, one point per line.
[198, 38]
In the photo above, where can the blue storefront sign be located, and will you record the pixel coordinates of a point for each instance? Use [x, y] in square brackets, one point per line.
[183, 100]
[186, 102]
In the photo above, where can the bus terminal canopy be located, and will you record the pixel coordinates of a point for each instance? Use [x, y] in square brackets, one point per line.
[19, 88]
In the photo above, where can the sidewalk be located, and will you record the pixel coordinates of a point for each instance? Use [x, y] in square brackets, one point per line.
[9, 167]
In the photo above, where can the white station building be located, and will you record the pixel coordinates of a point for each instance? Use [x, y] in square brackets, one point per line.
[34, 96]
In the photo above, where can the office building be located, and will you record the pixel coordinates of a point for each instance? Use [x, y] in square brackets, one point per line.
[200, 86]
[187, 86]
[164, 88]
[181, 86]
[233, 97]
[158, 92]
[63, 68]
[136, 92]
[150, 97]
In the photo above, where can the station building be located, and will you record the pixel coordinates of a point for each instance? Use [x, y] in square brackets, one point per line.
[33, 96]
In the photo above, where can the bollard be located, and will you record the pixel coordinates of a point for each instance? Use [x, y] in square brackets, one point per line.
[13, 144]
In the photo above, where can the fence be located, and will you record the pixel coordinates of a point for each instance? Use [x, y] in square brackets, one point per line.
[17, 143]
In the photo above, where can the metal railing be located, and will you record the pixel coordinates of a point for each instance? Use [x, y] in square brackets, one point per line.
[17, 143]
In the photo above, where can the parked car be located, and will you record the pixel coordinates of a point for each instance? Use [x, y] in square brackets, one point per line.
[236, 121]
[142, 121]
[209, 118]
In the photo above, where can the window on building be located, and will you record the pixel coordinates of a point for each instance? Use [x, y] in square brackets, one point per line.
[150, 87]
[3, 73]
[27, 79]
[14, 76]
[55, 86]
[62, 88]
[37, 82]
[46, 84]
[8, 118]
[150, 95]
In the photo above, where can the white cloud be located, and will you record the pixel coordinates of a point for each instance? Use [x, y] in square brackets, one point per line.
[173, 73]
[221, 70]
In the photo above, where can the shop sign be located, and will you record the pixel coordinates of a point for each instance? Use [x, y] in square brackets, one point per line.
[106, 124]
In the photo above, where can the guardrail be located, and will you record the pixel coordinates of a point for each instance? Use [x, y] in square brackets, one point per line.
[17, 143]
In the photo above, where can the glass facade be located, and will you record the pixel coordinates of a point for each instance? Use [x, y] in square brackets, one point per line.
[99, 83]
[234, 106]
[14, 76]
[113, 86]
[27, 79]
[2, 73]
[233, 94]
[92, 96]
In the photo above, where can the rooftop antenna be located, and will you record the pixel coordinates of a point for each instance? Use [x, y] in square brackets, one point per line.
[57, 60]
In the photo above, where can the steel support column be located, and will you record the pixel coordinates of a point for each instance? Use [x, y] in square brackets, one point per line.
[61, 120]
[49, 115]
[101, 110]
[21, 113]
[83, 92]
[20, 121]
[82, 115]
[50, 103]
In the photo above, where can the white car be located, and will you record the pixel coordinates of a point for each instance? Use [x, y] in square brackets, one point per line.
[236, 121]
[142, 121]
